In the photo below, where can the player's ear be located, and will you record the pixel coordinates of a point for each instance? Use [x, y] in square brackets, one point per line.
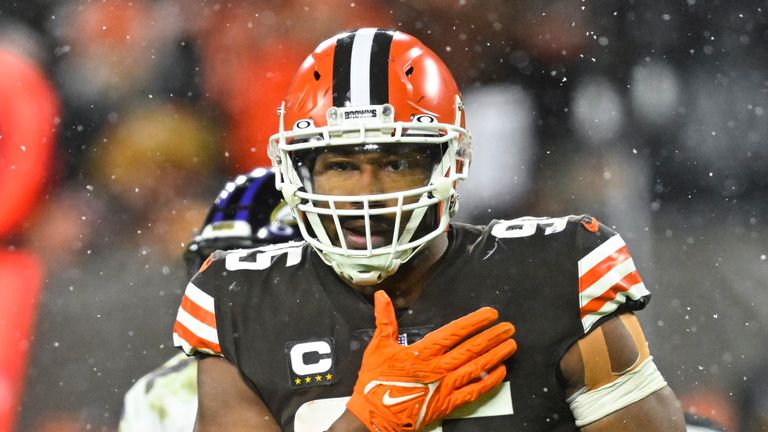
[386, 322]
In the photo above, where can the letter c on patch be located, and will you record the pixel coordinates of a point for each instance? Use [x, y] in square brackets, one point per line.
[298, 351]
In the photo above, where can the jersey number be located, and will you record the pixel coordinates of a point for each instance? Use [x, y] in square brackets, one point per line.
[526, 226]
[264, 257]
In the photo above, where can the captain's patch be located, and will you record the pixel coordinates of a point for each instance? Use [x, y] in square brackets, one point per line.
[311, 362]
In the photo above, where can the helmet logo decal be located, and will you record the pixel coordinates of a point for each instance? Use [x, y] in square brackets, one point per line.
[304, 124]
[360, 78]
[424, 118]
[360, 113]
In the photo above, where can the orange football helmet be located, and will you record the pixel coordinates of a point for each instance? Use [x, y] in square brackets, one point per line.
[371, 90]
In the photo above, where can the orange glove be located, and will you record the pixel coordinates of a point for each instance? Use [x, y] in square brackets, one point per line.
[402, 388]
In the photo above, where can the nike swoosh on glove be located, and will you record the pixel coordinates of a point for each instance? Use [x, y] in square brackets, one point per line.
[402, 388]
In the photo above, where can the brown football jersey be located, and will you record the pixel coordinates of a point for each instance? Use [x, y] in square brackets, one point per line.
[297, 332]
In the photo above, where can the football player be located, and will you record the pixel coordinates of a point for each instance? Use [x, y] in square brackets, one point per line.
[249, 212]
[383, 319]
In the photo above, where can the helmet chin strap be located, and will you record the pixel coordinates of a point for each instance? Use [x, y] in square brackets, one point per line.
[367, 271]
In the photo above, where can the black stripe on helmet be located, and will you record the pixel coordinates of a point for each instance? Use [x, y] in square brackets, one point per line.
[379, 72]
[342, 58]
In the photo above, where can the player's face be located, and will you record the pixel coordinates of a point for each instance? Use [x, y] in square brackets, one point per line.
[361, 172]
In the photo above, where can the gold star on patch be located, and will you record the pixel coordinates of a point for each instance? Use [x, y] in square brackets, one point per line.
[318, 378]
[297, 381]
[308, 380]
[328, 377]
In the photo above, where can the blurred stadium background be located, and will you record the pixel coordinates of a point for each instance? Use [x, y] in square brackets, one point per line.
[120, 119]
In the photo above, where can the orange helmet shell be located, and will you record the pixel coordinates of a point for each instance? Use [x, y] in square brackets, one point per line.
[372, 67]
[372, 86]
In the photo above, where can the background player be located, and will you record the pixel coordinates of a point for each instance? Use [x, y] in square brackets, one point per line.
[247, 213]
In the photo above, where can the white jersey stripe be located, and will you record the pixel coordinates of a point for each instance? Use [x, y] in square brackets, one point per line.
[179, 341]
[199, 297]
[600, 253]
[605, 283]
[635, 292]
[607, 308]
[360, 69]
[199, 328]
[188, 349]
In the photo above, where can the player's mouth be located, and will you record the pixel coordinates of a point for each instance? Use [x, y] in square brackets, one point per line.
[354, 233]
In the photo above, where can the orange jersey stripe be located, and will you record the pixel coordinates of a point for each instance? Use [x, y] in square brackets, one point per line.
[193, 340]
[198, 312]
[600, 269]
[623, 285]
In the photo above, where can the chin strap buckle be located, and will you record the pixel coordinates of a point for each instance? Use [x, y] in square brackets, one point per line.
[289, 194]
[443, 188]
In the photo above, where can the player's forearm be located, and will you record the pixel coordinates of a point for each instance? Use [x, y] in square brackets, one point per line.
[347, 423]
